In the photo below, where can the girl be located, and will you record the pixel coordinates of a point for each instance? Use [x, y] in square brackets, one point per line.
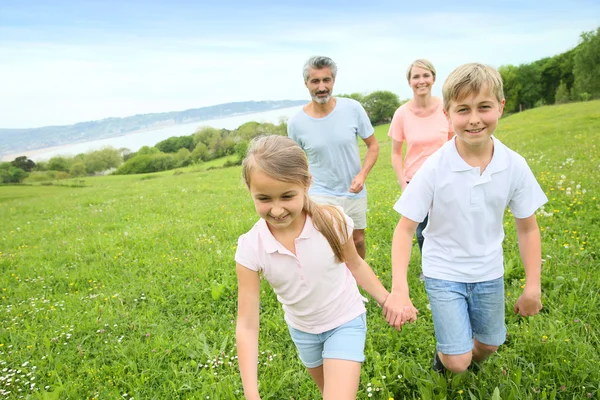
[420, 123]
[305, 252]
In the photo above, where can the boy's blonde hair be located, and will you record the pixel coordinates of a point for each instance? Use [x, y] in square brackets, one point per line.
[469, 79]
[421, 63]
[282, 159]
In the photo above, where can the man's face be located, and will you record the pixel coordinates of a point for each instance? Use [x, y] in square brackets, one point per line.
[320, 84]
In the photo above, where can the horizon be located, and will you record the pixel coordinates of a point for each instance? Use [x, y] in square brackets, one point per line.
[166, 112]
[72, 62]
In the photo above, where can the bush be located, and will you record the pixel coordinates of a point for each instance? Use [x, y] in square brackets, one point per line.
[13, 175]
[147, 163]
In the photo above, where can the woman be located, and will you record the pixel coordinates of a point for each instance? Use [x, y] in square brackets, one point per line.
[420, 123]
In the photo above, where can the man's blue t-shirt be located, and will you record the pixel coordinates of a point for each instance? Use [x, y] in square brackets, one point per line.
[331, 145]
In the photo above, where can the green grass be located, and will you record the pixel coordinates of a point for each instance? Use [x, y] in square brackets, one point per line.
[126, 287]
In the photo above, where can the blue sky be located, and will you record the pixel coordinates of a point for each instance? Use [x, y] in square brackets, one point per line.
[67, 61]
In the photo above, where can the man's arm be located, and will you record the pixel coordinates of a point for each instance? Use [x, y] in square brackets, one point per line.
[370, 158]
[530, 247]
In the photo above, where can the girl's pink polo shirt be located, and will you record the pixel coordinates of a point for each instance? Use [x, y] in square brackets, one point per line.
[316, 292]
[423, 136]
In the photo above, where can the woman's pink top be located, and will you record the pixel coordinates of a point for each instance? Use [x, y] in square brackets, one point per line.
[423, 136]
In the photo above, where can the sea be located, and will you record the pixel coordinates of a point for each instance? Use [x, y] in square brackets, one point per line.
[149, 137]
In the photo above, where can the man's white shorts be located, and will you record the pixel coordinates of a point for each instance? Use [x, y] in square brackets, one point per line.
[354, 208]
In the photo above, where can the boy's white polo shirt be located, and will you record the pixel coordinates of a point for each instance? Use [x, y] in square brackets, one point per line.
[463, 238]
[316, 292]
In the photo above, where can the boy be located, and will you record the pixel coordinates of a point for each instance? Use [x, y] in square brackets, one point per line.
[466, 186]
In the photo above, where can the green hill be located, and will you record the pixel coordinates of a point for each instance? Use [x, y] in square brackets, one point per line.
[127, 285]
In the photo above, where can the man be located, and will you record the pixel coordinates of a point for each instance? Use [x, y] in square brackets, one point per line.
[327, 129]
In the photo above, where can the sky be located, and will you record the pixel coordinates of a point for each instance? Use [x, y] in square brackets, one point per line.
[68, 61]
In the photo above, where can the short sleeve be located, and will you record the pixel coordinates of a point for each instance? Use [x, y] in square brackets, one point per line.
[396, 131]
[417, 198]
[245, 254]
[528, 196]
[365, 129]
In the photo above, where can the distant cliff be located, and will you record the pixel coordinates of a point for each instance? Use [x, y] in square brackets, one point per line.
[16, 140]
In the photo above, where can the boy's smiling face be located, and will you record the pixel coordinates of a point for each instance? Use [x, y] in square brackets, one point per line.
[475, 117]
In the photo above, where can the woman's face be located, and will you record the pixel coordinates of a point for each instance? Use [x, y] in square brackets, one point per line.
[421, 81]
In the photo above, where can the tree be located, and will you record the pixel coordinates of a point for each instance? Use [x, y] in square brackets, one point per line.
[200, 152]
[241, 148]
[562, 94]
[183, 157]
[24, 163]
[13, 175]
[381, 106]
[355, 96]
[512, 87]
[59, 163]
[530, 87]
[586, 68]
[77, 169]
[145, 150]
[102, 160]
[205, 135]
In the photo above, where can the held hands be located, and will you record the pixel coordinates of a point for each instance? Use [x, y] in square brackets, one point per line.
[398, 310]
[529, 303]
[358, 183]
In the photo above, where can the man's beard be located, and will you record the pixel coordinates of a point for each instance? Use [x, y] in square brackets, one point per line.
[321, 100]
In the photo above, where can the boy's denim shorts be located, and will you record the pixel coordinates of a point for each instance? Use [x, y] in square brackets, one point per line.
[465, 311]
[346, 342]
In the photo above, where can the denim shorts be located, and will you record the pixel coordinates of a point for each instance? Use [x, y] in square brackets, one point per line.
[346, 342]
[465, 311]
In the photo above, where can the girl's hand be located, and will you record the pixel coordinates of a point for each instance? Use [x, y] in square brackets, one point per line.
[398, 310]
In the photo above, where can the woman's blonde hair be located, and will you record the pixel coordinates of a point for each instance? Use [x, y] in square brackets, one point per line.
[421, 63]
[470, 79]
[282, 159]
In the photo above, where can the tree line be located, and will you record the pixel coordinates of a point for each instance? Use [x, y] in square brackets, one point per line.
[570, 76]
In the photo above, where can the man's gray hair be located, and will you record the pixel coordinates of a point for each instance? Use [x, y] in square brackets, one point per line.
[319, 62]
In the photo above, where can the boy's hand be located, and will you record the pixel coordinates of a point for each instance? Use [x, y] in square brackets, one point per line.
[529, 303]
[398, 310]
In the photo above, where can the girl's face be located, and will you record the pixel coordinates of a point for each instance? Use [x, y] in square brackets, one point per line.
[279, 203]
[421, 81]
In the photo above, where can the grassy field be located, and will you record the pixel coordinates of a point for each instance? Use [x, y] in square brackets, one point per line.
[125, 287]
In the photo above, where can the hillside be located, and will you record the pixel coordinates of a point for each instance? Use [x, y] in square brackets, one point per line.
[126, 285]
[16, 140]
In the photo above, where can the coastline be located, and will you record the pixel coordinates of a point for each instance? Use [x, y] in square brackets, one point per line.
[67, 149]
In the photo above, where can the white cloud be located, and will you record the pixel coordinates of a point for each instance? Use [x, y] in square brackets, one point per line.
[52, 82]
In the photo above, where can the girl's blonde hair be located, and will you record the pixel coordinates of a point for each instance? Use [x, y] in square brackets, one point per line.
[421, 63]
[282, 159]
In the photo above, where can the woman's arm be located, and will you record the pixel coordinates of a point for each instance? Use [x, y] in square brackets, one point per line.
[246, 332]
[397, 162]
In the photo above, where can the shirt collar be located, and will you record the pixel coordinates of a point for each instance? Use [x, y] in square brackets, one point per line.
[498, 162]
[272, 245]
